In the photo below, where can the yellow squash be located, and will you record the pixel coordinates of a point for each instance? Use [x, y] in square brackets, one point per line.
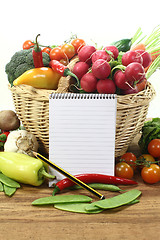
[43, 78]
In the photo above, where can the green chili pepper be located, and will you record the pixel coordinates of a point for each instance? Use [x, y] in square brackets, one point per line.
[9, 191]
[23, 168]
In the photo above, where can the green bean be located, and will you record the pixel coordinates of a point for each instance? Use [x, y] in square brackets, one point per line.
[76, 207]
[61, 199]
[1, 187]
[117, 201]
[9, 191]
[8, 181]
[101, 186]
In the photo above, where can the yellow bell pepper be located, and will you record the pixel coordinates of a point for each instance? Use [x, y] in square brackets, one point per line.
[23, 168]
[43, 77]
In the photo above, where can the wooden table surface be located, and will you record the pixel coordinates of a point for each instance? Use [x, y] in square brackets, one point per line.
[20, 220]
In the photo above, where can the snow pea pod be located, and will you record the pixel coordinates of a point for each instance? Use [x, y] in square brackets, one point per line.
[101, 186]
[9, 191]
[76, 207]
[117, 201]
[8, 181]
[1, 187]
[61, 199]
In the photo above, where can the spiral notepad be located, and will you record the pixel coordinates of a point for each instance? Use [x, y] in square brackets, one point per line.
[82, 132]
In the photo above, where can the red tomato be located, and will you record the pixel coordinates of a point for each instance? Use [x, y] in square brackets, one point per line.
[78, 44]
[56, 54]
[46, 50]
[28, 44]
[124, 170]
[129, 158]
[154, 147]
[68, 50]
[151, 174]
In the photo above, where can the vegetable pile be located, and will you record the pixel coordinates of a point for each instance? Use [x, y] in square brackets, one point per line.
[122, 67]
[149, 162]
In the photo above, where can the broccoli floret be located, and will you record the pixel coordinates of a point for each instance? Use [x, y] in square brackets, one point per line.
[22, 61]
[46, 59]
[29, 58]
[21, 69]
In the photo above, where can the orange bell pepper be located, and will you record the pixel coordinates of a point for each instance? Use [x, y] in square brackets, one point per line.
[43, 77]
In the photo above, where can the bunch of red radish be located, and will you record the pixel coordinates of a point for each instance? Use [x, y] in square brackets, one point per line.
[96, 73]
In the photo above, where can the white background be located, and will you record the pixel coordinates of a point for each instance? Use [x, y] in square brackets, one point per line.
[94, 21]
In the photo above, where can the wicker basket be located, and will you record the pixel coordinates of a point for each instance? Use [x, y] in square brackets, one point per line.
[32, 107]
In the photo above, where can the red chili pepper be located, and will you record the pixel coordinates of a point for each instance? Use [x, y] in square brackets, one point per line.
[92, 178]
[62, 69]
[37, 55]
[3, 136]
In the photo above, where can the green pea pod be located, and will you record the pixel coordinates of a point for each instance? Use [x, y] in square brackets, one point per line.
[117, 201]
[101, 186]
[8, 181]
[61, 199]
[1, 187]
[9, 191]
[76, 207]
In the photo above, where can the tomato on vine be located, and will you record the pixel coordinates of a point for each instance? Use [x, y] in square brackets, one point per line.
[28, 44]
[46, 50]
[151, 174]
[124, 170]
[129, 158]
[154, 148]
[145, 159]
[68, 50]
[78, 44]
[56, 54]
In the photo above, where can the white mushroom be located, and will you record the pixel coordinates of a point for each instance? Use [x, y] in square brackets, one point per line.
[21, 141]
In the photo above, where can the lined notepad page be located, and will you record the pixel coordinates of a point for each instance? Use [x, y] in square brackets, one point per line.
[82, 133]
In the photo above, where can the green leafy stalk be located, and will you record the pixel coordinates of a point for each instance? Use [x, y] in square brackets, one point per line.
[137, 35]
[155, 64]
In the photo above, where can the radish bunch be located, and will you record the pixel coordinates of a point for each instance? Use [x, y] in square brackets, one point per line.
[103, 71]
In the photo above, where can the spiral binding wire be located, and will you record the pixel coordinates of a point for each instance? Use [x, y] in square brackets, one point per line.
[82, 96]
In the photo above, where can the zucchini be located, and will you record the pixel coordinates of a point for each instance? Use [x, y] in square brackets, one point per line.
[123, 45]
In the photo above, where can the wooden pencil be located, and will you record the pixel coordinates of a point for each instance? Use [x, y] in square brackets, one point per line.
[68, 175]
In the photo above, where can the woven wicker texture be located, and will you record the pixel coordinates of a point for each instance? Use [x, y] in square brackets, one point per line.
[32, 108]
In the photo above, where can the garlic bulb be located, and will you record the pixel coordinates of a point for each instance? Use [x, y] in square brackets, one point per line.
[21, 141]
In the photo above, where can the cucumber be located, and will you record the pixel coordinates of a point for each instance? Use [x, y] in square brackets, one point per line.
[123, 45]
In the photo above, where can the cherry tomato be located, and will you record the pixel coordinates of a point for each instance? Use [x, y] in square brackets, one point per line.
[154, 147]
[28, 44]
[64, 61]
[124, 170]
[151, 174]
[68, 50]
[56, 54]
[129, 158]
[78, 44]
[146, 158]
[46, 50]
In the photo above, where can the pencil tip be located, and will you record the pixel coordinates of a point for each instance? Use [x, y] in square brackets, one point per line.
[34, 153]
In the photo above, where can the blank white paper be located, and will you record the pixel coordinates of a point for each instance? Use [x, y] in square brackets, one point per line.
[82, 133]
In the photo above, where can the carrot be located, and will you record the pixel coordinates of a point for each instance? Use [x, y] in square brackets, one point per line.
[139, 46]
[155, 54]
